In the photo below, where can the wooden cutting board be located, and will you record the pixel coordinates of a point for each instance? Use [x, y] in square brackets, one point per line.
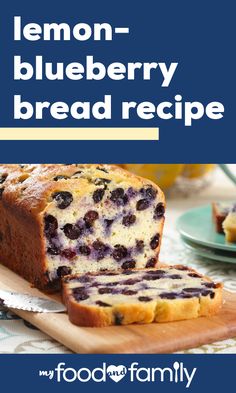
[153, 338]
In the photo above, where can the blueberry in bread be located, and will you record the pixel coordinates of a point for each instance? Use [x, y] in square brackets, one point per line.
[169, 293]
[65, 219]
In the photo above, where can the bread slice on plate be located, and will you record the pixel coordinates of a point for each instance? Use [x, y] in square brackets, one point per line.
[220, 210]
[229, 226]
[224, 217]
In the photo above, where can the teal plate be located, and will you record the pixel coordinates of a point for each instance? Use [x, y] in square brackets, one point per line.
[210, 253]
[197, 226]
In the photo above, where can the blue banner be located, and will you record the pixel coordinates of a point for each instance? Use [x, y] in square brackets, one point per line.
[65, 64]
[162, 373]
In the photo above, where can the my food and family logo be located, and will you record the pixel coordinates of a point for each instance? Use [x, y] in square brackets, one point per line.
[134, 373]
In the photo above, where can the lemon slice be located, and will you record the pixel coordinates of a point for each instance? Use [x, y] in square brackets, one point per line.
[163, 174]
[192, 171]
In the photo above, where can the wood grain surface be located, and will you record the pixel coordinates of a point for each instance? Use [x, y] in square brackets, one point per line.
[152, 338]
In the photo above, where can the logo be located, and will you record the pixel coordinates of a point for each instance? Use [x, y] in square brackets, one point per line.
[116, 372]
[177, 373]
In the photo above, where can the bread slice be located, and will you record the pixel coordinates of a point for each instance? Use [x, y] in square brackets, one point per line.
[229, 226]
[170, 293]
[224, 217]
[220, 211]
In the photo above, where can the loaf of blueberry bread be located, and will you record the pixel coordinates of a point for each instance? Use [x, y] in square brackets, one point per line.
[169, 293]
[65, 219]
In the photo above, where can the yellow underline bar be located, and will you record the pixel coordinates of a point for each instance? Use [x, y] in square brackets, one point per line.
[80, 134]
